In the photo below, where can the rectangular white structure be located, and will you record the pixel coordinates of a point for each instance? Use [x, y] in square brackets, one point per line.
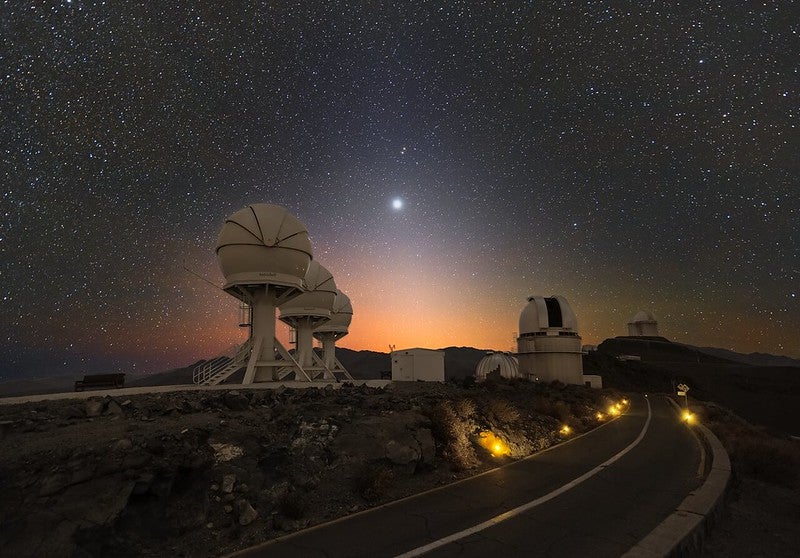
[410, 365]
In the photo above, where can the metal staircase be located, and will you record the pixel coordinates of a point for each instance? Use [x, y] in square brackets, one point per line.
[215, 371]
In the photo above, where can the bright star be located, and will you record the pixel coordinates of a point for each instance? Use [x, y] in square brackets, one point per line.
[397, 203]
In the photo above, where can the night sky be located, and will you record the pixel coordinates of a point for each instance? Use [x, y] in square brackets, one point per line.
[626, 155]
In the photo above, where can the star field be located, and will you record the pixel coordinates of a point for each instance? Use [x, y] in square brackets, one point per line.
[633, 155]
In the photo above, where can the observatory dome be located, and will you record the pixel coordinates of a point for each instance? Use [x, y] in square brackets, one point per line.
[263, 244]
[643, 324]
[503, 364]
[643, 316]
[341, 315]
[543, 314]
[319, 297]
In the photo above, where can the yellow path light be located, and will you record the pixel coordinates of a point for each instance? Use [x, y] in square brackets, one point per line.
[494, 444]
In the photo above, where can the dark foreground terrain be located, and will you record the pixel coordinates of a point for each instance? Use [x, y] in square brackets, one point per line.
[206, 473]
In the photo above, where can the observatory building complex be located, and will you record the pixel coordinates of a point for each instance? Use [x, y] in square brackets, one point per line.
[265, 255]
[548, 346]
[643, 324]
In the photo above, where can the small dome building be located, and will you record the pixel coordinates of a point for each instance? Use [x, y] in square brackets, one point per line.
[549, 347]
[643, 324]
[501, 365]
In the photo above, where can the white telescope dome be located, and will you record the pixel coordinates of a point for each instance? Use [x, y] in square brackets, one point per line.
[264, 244]
[341, 316]
[318, 298]
[643, 324]
[643, 316]
[502, 363]
[544, 314]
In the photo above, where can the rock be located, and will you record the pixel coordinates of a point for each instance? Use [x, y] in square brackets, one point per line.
[236, 401]
[94, 407]
[114, 408]
[276, 492]
[136, 459]
[53, 484]
[389, 437]
[400, 453]
[227, 483]
[427, 445]
[122, 445]
[72, 411]
[226, 452]
[142, 484]
[245, 512]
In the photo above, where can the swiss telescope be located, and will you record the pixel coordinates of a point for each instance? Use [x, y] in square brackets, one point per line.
[264, 253]
[548, 346]
[333, 330]
[307, 311]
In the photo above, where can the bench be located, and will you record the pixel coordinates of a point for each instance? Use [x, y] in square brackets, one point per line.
[92, 381]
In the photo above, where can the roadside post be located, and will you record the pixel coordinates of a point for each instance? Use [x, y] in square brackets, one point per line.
[683, 390]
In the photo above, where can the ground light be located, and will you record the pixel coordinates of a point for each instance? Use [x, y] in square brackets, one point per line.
[687, 417]
[600, 416]
[494, 444]
[565, 430]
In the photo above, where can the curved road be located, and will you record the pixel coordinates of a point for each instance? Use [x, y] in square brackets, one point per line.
[596, 495]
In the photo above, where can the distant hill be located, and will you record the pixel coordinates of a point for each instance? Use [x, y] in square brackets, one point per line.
[657, 349]
[755, 359]
[763, 394]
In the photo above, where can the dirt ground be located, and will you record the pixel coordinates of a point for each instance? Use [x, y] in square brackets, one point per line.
[208, 473]
[761, 513]
[759, 519]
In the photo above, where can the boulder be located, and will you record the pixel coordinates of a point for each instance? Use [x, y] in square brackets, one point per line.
[402, 438]
[94, 407]
[113, 408]
[227, 483]
[402, 453]
[427, 445]
[236, 401]
[122, 445]
[245, 512]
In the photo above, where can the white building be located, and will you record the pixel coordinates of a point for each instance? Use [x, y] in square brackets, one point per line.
[643, 324]
[502, 365]
[548, 346]
[409, 365]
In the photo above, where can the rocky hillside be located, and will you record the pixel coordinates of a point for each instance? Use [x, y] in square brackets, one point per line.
[206, 473]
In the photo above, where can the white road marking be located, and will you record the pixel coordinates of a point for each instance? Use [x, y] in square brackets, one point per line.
[533, 503]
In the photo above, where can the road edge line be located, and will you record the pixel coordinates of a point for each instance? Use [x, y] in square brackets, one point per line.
[683, 532]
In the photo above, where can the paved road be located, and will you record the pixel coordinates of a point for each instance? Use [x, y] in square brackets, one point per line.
[632, 473]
